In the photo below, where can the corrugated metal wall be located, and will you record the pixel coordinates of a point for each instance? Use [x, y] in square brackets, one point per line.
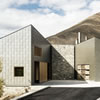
[15, 50]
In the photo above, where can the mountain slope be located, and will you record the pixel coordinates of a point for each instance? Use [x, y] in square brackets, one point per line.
[89, 27]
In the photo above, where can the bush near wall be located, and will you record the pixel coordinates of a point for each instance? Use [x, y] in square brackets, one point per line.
[1, 81]
[1, 87]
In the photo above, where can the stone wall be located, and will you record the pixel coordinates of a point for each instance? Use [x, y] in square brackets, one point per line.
[62, 62]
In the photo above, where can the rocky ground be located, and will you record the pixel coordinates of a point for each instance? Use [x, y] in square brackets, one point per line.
[11, 92]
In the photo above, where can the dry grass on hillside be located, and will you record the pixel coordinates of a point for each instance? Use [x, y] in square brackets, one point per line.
[89, 27]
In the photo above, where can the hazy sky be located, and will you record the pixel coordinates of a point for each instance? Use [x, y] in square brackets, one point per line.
[47, 16]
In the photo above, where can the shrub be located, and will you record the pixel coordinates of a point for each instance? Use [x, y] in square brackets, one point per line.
[1, 87]
[1, 81]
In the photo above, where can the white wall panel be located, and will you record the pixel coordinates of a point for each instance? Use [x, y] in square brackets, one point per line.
[15, 50]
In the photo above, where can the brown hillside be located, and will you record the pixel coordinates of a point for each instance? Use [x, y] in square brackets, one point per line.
[89, 27]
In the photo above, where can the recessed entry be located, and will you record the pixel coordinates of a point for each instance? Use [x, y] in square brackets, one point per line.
[41, 72]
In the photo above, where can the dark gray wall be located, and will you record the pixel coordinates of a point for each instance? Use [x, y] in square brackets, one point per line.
[39, 41]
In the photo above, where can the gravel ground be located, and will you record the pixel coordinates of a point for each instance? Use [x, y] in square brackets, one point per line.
[12, 92]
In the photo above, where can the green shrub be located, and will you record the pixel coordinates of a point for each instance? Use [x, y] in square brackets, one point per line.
[1, 81]
[1, 87]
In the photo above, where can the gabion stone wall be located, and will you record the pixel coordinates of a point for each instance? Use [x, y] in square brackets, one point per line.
[62, 62]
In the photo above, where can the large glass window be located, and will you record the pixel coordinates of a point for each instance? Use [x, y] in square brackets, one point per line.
[37, 51]
[18, 71]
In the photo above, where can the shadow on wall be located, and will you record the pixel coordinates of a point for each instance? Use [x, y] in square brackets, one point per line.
[61, 69]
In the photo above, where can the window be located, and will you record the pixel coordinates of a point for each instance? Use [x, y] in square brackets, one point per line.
[37, 51]
[18, 71]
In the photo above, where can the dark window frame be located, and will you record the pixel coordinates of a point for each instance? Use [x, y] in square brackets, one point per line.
[37, 51]
[18, 68]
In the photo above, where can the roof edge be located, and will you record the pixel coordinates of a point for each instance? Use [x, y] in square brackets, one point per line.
[15, 31]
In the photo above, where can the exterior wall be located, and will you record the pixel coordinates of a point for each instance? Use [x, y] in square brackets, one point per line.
[97, 60]
[85, 54]
[39, 41]
[62, 62]
[15, 50]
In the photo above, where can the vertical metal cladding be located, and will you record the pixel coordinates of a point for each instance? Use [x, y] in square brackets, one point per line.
[15, 50]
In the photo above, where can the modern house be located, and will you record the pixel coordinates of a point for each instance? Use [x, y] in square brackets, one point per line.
[28, 58]
[25, 57]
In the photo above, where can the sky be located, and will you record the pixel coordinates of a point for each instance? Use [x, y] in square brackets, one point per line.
[48, 16]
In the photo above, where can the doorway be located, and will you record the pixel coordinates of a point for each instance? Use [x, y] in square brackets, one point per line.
[83, 72]
[36, 72]
[40, 71]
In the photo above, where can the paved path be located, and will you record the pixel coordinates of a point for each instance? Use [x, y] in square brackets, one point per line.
[71, 83]
[65, 93]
